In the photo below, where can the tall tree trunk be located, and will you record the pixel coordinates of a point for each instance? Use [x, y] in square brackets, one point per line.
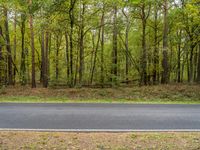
[15, 46]
[1, 59]
[155, 53]
[198, 67]
[191, 70]
[49, 55]
[67, 56]
[23, 55]
[57, 57]
[44, 52]
[32, 47]
[102, 47]
[81, 65]
[115, 47]
[46, 57]
[42, 57]
[195, 64]
[127, 44]
[71, 16]
[144, 51]
[179, 57]
[165, 66]
[8, 47]
[95, 56]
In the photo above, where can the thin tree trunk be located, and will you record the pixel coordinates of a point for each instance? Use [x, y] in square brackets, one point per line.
[144, 52]
[67, 56]
[71, 16]
[115, 47]
[49, 56]
[179, 34]
[165, 66]
[8, 47]
[81, 69]
[195, 64]
[32, 47]
[44, 52]
[191, 70]
[102, 47]
[23, 55]
[127, 45]
[156, 55]
[1, 60]
[42, 57]
[15, 47]
[46, 56]
[57, 57]
[95, 56]
[198, 67]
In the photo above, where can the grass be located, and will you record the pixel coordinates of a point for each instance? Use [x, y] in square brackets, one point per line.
[99, 141]
[165, 94]
[31, 99]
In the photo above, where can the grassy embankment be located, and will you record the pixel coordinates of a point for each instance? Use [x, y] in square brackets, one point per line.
[165, 94]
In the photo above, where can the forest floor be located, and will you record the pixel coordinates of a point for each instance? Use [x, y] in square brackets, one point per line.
[99, 141]
[175, 94]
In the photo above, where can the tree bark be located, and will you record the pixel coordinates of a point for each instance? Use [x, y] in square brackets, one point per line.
[44, 53]
[67, 56]
[81, 65]
[165, 66]
[127, 44]
[156, 53]
[15, 47]
[57, 56]
[46, 57]
[179, 34]
[198, 66]
[144, 18]
[191, 70]
[72, 19]
[95, 56]
[32, 47]
[102, 47]
[115, 47]
[1, 59]
[23, 55]
[8, 47]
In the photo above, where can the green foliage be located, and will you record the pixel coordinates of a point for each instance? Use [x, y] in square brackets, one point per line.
[55, 17]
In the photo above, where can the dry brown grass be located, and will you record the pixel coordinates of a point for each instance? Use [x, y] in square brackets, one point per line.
[177, 92]
[99, 141]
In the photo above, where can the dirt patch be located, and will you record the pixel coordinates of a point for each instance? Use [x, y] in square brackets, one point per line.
[99, 141]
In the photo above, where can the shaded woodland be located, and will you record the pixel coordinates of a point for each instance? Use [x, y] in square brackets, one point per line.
[102, 43]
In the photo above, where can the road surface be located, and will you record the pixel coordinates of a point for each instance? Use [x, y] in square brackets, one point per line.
[99, 117]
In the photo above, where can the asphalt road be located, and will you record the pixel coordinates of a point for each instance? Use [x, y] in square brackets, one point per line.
[99, 117]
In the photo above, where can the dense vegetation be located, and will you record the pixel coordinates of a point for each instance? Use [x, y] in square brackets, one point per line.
[99, 42]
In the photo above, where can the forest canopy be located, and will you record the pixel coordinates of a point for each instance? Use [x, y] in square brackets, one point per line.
[99, 42]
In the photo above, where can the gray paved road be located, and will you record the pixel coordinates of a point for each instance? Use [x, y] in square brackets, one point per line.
[99, 116]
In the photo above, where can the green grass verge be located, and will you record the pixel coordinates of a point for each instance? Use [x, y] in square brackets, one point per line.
[34, 99]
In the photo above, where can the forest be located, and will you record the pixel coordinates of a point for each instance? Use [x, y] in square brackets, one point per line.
[80, 43]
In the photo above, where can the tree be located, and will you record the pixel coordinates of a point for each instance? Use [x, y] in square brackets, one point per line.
[82, 26]
[1, 58]
[8, 47]
[23, 53]
[106, 42]
[32, 45]
[198, 67]
[165, 72]
[114, 70]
